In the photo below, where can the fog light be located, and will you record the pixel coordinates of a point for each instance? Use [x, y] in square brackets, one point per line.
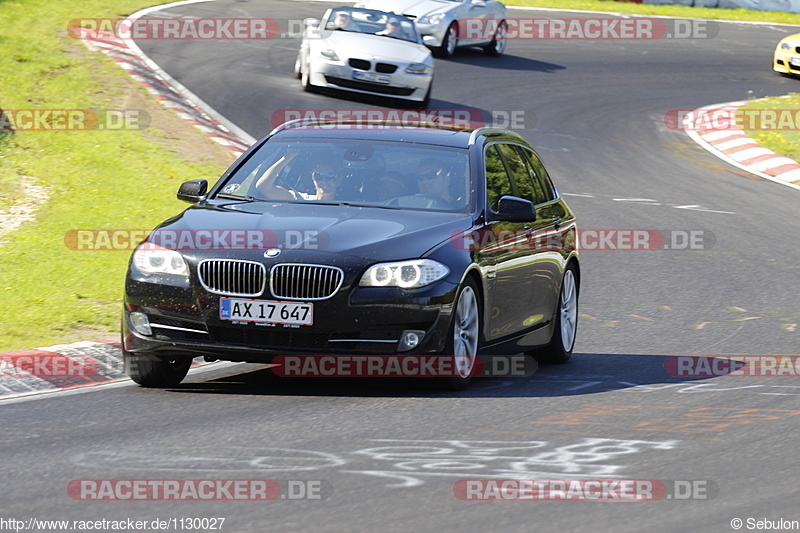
[410, 339]
[140, 323]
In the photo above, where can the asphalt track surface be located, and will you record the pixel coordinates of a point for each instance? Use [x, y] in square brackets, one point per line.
[387, 454]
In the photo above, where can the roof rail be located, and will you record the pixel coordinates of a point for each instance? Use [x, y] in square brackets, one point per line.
[489, 130]
[302, 122]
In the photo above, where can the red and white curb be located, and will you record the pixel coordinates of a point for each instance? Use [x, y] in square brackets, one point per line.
[60, 367]
[63, 367]
[166, 89]
[714, 128]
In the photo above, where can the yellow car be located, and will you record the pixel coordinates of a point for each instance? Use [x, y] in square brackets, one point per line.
[787, 55]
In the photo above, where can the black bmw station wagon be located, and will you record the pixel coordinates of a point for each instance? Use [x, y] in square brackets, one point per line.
[325, 238]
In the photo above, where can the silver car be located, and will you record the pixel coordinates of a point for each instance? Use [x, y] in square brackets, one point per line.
[447, 24]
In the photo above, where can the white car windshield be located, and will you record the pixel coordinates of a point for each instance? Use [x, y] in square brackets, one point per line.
[371, 22]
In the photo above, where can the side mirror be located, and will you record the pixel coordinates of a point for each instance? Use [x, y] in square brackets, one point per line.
[193, 191]
[311, 22]
[513, 209]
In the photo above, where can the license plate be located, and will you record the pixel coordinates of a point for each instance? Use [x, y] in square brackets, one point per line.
[371, 76]
[795, 62]
[267, 311]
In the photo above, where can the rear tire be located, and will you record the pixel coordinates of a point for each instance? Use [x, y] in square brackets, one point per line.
[464, 338]
[156, 373]
[566, 323]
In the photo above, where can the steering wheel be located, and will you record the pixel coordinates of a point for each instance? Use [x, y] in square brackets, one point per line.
[435, 201]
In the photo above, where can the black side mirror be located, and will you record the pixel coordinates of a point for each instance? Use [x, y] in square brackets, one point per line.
[513, 209]
[193, 191]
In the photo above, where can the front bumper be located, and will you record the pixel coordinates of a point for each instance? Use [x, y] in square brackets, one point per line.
[782, 62]
[339, 75]
[356, 320]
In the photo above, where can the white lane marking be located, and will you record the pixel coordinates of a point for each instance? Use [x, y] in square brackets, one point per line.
[750, 153]
[741, 141]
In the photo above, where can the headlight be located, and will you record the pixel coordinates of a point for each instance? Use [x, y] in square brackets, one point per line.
[431, 19]
[404, 274]
[329, 54]
[153, 259]
[418, 68]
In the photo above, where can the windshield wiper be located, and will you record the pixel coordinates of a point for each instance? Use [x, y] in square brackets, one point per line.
[226, 196]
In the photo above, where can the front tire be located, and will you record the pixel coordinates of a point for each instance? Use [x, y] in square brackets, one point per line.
[426, 102]
[305, 79]
[463, 341]
[297, 70]
[449, 42]
[498, 44]
[155, 373]
[566, 323]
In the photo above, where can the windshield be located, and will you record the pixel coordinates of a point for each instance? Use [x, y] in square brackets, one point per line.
[359, 172]
[372, 22]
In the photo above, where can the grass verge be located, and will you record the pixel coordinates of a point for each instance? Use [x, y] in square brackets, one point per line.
[667, 11]
[96, 179]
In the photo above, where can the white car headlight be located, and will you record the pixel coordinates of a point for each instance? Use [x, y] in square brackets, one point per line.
[418, 68]
[153, 259]
[404, 274]
[431, 19]
[329, 54]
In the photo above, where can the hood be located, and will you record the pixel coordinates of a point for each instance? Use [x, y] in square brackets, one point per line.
[374, 234]
[416, 8]
[350, 44]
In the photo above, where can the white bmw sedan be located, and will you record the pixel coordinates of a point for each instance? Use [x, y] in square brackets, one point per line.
[366, 51]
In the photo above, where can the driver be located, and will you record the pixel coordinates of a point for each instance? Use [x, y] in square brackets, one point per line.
[344, 21]
[433, 179]
[325, 176]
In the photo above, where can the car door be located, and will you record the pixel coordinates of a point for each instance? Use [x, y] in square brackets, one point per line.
[550, 233]
[473, 21]
[504, 246]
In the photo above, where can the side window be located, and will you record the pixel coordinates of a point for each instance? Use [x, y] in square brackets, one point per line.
[497, 182]
[540, 175]
[520, 171]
